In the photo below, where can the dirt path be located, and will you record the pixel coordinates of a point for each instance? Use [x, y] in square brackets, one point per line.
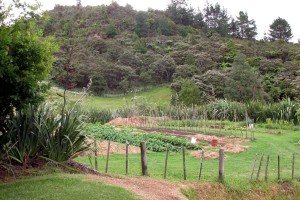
[147, 188]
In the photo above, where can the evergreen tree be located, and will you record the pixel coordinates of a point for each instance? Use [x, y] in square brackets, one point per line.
[189, 93]
[141, 28]
[280, 30]
[216, 19]
[233, 28]
[180, 13]
[246, 27]
[243, 84]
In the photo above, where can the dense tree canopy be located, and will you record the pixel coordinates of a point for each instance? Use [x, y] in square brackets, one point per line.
[123, 50]
[246, 27]
[25, 61]
[217, 18]
[243, 84]
[280, 30]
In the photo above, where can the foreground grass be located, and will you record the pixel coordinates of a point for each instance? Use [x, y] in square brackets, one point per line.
[238, 166]
[61, 186]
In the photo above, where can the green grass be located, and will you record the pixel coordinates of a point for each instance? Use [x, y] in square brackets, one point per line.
[61, 186]
[158, 95]
[237, 165]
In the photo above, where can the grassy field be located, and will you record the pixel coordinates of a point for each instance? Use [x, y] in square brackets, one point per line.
[61, 186]
[237, 165]
[159, 95]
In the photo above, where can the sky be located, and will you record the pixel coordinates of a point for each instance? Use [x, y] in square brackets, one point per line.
[264, 12]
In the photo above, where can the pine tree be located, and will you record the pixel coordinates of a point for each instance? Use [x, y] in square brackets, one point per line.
[216, 19]
[280, 30]
[246, 27]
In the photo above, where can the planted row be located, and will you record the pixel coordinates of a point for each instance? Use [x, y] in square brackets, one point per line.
[155, 141]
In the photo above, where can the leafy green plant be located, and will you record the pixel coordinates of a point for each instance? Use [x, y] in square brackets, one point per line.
[155, 142]
[24, 135]
[41, 132]
[62, 135]
[278, 124]
[98, 115]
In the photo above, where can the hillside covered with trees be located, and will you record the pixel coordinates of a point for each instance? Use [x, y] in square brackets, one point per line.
[205, 53]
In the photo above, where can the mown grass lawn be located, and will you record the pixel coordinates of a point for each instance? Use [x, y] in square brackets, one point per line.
[237, 165]
[158, 95]
[61, 186]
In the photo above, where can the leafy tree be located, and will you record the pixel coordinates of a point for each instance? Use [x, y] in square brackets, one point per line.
[141, 27]
[165, 26]
[179, 12]
[216, 19]
[230, 54]
[79, 4]
[199, 20]
[280, 30]
[140, 46]
[145, 77]
[189, 93]
[185, 71]
[162, 69]
[246, 27]
[111, 31]
[243, 84]
[233, 28]
[25, 61]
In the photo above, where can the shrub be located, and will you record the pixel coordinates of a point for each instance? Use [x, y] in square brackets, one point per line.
[41, 132]
[99, 115]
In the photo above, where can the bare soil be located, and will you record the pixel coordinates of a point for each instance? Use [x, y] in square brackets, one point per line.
[115, 148]
[138, 121]
[230, 144]
[147, 188]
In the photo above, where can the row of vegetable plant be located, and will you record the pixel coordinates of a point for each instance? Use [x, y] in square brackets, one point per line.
[155, 141]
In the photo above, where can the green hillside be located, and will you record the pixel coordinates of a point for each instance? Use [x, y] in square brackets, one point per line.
[120, 49]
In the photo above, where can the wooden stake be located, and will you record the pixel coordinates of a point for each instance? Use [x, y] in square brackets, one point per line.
[144, 159]
[293, 166]
[221, 164]
[166, 162]
[254, 163]
[126, 158]
[96, 155]
[260, 164]
[200, 167]
[107, 157]
[246, 124]
[184, 166]
[278, 167]
[267, 165]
